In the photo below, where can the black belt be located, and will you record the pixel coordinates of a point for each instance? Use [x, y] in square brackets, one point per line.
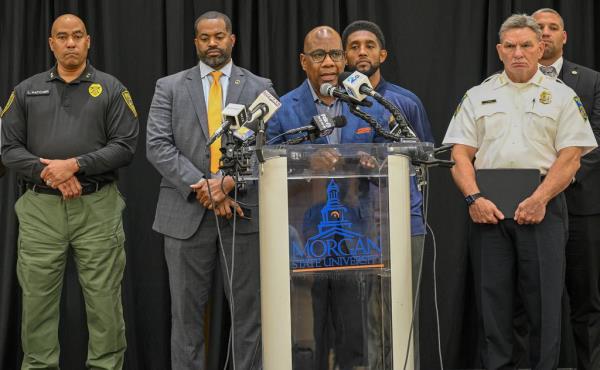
[85, 189]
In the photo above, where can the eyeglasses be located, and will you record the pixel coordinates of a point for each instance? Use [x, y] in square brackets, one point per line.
[319, 55]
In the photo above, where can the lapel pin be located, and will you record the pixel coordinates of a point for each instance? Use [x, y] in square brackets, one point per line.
[573, 72]
[237, 82]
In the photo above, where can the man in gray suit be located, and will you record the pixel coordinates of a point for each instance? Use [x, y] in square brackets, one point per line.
[194, 205]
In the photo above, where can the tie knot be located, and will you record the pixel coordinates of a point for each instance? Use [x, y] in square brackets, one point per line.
[216, 75]
[549, 71]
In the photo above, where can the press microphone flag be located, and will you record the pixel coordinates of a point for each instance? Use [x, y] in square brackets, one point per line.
[234, 116]
[356, 84]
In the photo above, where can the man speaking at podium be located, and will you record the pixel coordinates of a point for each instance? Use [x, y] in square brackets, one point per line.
[526, 122]
[185, 112]
[335, 297]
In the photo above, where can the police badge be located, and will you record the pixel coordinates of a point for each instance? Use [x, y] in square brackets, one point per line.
[545, 97]
[95, 90]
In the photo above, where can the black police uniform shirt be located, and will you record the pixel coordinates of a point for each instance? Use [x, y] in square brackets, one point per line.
[92, 118]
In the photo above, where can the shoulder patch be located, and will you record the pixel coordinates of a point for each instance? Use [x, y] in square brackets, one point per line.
[580, 107]
[127, 97]
[8, 104]
[459, 105]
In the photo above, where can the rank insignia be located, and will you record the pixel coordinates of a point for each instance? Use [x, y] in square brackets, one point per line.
[127, 97]
[95, 90]
[459, 105]
[580, 107]
[8, 103]
[545, 97]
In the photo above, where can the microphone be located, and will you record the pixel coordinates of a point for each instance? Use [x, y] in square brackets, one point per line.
[320, 125]
[234, 115]
[328, 89]
[359, 86]
[263, 107]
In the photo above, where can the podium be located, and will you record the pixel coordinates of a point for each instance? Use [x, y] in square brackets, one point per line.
[335, 256]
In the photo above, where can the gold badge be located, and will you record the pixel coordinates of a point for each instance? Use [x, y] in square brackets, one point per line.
[580, 107]
[95, 90]
[8, 103]
[545, 97]
[129, 102]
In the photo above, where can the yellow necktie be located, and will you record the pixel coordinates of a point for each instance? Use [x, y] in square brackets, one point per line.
[215, 102]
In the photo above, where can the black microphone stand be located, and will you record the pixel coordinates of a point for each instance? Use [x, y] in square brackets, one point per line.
[406, 129]
[260, 140]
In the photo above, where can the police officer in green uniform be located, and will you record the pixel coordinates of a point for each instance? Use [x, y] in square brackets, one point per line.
[66, 132]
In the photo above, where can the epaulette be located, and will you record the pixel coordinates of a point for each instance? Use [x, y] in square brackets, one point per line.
[489, 78]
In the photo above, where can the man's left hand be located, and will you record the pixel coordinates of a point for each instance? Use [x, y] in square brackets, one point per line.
[530, 211]
[57, 171]
[216, 190]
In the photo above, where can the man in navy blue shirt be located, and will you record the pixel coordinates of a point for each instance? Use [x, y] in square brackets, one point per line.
[364, 44]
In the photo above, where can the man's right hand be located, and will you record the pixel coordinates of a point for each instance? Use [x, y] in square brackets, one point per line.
[324, 159]
[71, 188]
[483, 211]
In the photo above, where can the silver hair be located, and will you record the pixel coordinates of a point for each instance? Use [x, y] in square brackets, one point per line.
[550, 10]
[520, 21]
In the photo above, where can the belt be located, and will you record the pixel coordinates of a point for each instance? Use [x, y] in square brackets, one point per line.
[85, 189]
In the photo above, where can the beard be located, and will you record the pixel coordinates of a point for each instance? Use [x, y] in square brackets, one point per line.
[368, 72]
[215, 62]
[550, 51]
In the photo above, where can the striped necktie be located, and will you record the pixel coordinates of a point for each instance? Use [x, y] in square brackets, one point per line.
[215, 103]
[549, 71]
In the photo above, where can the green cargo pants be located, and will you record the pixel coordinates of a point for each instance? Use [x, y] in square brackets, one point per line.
[92, 226]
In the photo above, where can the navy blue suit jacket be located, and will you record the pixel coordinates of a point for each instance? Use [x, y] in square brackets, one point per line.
[298, 108]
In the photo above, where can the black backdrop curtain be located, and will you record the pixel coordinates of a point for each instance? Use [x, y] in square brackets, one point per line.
[437, 49]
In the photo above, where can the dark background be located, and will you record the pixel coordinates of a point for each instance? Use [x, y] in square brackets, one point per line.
[438, 49]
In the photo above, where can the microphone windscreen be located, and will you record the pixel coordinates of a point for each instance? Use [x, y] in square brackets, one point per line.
[325, 89]
[339, 121]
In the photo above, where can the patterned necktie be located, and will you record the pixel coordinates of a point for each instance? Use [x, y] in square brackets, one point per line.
[549, 71]
[215, 102]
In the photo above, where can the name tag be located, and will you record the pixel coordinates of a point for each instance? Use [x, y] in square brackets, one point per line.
[37, 92]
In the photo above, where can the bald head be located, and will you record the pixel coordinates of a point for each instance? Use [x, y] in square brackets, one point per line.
[319, 34]
[67, 21]
[69, 42]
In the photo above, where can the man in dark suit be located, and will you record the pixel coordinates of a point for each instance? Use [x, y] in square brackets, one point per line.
[583, 196]
[185, 112]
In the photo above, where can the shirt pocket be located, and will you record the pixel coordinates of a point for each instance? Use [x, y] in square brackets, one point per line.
[541, 123]
[492, 120]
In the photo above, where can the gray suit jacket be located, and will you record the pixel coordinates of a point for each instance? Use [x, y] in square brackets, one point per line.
[177, 133]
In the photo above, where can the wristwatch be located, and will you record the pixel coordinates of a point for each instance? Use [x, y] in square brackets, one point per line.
[470, 199]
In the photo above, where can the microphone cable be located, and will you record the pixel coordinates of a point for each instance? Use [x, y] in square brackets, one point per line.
[373, 123]
[231, 339]
[405, 128]
[435, 288]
